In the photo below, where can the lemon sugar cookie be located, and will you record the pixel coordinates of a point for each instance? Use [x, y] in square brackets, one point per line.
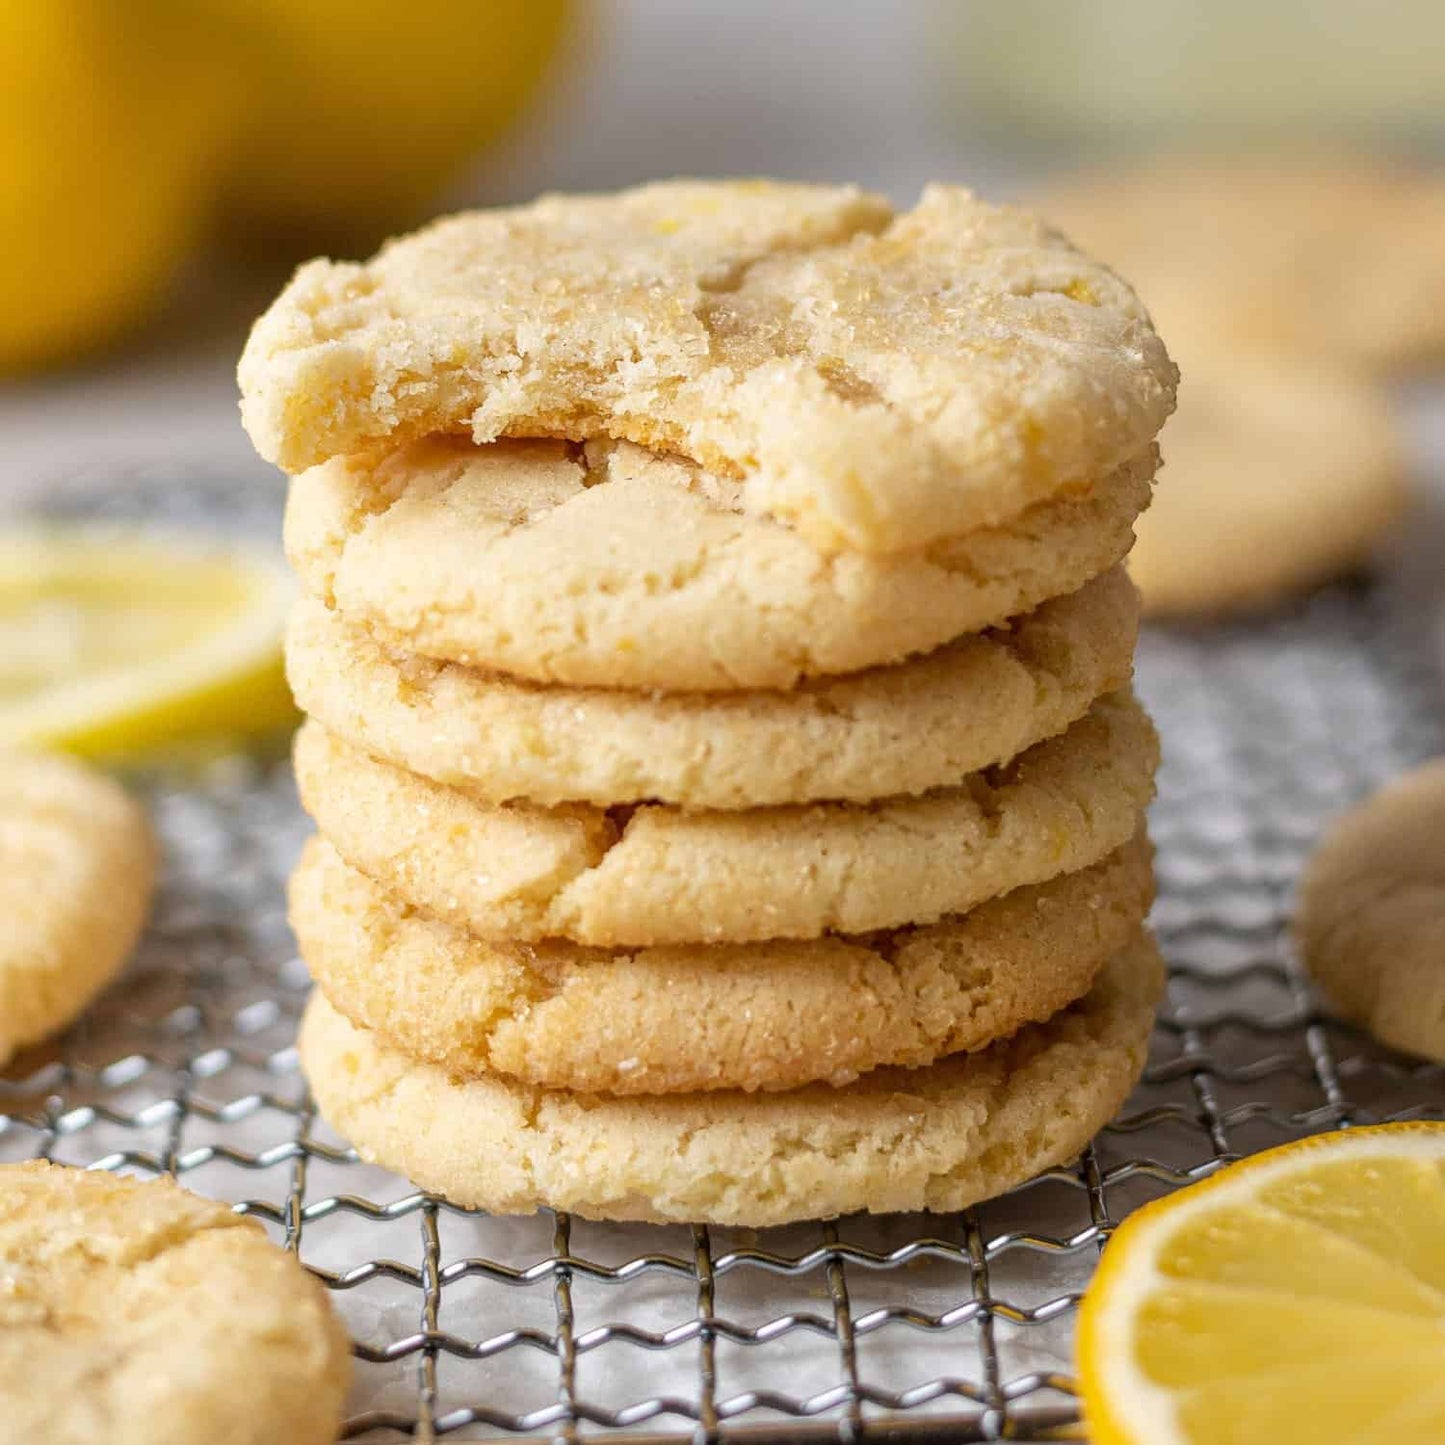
[1340, 261]
[657, 874]
[940, 1137]
[612, 567]
[905, 729]
[770, 1015]
[77, 864]
[1371, 916]
[878, 381]
[1281, 476]
[139, 1314]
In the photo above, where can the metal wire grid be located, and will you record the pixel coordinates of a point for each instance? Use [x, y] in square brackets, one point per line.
[933, 1327]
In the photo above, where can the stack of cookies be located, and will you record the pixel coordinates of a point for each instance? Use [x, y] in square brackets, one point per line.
[716, 650]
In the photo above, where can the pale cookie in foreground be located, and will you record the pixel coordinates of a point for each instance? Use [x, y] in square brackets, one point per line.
[1371, 916]
[877, 381]
[140, 1314]
[77, 864]
[656, 874]
[771, 1015]
[1279, 477]
[922, 724]
[609, 566]
[940, 1137]
[1338, 262]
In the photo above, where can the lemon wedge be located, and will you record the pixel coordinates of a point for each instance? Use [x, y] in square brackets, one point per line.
[1298, 1295]
[118, 644]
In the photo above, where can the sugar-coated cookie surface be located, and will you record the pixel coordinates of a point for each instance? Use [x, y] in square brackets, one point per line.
[1371, 918]
[918, 725]
[1279, 475]
[1339, 261]
[772, 1015]
[610, 566]
[940, 1137]
[136, 1313]
[77, 863]
[879, 381]
[657, 874]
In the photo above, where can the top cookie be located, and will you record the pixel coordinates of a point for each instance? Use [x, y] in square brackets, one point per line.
[140, 1314]
[877, 381]
[1340, 260]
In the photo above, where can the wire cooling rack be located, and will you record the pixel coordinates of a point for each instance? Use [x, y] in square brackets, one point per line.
[943, 1327]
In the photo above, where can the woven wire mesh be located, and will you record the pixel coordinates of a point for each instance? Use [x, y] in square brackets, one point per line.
[946, 1326]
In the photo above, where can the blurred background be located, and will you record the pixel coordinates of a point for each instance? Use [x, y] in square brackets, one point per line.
[165, 163]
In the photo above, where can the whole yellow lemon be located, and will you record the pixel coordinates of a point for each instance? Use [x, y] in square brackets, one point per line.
[363, 109]
[112, 122]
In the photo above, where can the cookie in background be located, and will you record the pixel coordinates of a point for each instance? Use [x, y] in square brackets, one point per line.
[1291, 288]
[1277, 477]
[1338, 261]
[77, 866]
[1371, 919]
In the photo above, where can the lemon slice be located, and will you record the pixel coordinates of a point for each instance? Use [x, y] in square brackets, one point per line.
[114, 643]
[1298, 1295]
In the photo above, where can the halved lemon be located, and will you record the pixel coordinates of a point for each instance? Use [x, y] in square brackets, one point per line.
[1297, 1295]
[117, 643]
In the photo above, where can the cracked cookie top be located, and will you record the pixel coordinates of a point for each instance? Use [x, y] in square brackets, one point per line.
[769, 1015]
[609, 566]
[1282, 475]
[904, 729]
[653, 874]
[135, 1312]
[940, 1137]
[878, 381]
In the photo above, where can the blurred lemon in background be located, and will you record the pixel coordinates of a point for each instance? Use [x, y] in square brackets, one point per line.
[113, 122]
[117, 644]
[318, 124]
[360, 111]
